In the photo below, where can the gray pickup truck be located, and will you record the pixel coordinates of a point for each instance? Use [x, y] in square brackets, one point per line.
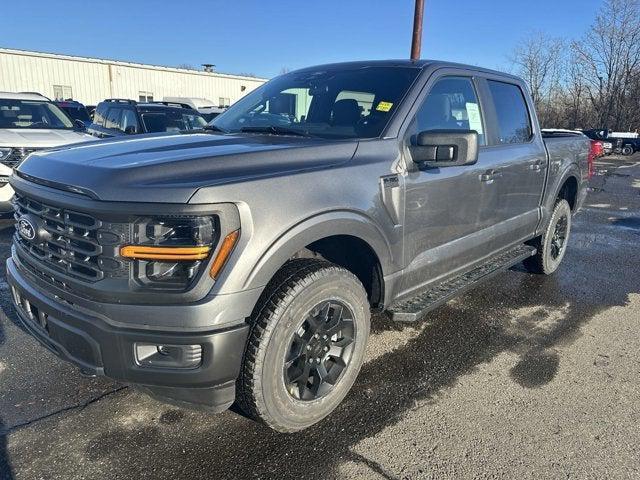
[241, 264]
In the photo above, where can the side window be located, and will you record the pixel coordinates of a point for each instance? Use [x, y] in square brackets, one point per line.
[113, 118]
[452, 104]
[129, 120]
[514, 124]
[99, 115]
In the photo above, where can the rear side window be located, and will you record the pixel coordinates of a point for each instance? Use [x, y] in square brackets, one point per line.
[514, 124]
[130, 121]
[113, 118]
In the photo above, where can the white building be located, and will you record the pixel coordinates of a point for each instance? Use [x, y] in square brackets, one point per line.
[90, 80]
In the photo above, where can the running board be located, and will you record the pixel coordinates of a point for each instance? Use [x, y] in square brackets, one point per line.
[413, 308]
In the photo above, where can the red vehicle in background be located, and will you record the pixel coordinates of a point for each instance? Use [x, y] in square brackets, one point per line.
[596, 150]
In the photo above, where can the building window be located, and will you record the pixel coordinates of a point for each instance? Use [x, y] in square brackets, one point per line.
[145, 97]
[224, 102]
[62, 92]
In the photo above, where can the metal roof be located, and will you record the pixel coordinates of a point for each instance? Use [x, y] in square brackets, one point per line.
[28, 53]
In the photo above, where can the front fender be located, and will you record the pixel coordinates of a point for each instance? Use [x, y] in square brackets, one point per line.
[343, 222]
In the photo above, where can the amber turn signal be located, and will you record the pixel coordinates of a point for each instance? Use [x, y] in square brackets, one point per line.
[228, 244]
[165, 253]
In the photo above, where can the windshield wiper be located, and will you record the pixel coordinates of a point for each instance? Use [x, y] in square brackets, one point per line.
[213, 128]
[274, 130]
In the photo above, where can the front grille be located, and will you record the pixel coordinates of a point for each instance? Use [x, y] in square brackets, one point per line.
[16, 156]
[67, 241]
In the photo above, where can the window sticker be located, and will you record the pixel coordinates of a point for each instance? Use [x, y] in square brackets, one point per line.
[384, 106]
[473, 114]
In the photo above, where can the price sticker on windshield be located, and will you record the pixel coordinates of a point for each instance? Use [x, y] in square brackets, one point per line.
[384, 106]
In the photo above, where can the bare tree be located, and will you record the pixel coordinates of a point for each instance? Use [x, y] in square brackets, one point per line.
[608, 57]
[539, 59]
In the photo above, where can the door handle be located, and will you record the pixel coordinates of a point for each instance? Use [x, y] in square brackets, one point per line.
[489, 176]
[538, 166]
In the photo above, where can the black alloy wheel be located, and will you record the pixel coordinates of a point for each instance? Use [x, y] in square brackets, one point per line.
[319, 351]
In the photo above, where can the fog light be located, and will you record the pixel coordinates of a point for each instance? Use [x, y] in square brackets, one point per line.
[168, 356]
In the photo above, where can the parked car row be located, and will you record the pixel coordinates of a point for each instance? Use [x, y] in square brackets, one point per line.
[30, 121]
[115, 117]
[623, 143]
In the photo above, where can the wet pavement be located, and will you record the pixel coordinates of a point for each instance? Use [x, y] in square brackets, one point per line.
[525, 377]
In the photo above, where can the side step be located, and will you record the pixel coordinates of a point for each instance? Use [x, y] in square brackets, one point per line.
[413, 308]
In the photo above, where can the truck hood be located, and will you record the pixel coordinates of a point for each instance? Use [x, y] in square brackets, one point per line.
[40, 137]
[171, 168]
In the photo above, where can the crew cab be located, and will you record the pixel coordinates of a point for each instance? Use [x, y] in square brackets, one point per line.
[30, 122]
[241, 263]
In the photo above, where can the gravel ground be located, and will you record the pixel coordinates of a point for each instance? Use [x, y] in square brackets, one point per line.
[524, 377]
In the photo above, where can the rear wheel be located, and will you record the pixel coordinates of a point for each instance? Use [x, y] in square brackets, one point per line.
[306, 346]
[552, 245]
[627, 150]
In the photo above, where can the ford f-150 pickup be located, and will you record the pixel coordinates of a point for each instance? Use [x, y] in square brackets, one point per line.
[241, 263]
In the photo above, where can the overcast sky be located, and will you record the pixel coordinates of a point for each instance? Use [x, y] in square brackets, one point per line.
[262, 37]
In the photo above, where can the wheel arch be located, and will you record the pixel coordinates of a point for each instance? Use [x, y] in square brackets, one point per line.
[318, 234]
[568, 190]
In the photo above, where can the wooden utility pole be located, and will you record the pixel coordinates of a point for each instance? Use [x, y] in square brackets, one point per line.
[416, 41]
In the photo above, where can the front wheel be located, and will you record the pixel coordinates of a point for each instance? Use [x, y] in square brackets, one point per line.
[306, 345]
[627, 150]
[552, 245]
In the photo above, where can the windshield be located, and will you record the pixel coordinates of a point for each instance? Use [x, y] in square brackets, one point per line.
[348, 103]
[78, 113]
[32, 114]
[167, 120]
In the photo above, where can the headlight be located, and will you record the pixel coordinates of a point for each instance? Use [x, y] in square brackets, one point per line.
[5, 152]
[169, 252]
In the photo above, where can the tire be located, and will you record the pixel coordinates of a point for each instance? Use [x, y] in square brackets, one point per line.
[549, 255]
[627, 150]
[294, 301]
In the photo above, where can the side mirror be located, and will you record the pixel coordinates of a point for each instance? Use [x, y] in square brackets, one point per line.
[79, 124]
[130, 130]
[445, 148]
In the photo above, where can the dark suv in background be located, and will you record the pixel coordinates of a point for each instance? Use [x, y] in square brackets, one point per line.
[76, 111]
[115, 117]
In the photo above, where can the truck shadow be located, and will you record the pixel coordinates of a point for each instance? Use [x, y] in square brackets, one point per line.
[530, 316]
[6, 232]
[6, 472]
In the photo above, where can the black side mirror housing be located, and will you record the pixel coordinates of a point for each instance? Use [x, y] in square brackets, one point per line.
[79, 125]
[130, 130]
[445, 148]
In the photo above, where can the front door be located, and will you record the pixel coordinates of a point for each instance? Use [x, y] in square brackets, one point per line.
[449, 211]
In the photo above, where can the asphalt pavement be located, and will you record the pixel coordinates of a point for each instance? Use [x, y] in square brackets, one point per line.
[524, 377]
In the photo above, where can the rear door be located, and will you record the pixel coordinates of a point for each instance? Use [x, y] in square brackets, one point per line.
[449, 211]
[516, 149]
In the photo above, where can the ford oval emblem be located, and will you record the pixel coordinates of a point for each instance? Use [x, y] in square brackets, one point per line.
[26, 228]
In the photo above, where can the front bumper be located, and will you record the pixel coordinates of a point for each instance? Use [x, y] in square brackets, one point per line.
[79, 335]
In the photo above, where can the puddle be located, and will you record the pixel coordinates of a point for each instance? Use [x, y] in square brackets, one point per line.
[629, 223]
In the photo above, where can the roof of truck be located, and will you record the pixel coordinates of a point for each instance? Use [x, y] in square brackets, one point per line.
[422, 63]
